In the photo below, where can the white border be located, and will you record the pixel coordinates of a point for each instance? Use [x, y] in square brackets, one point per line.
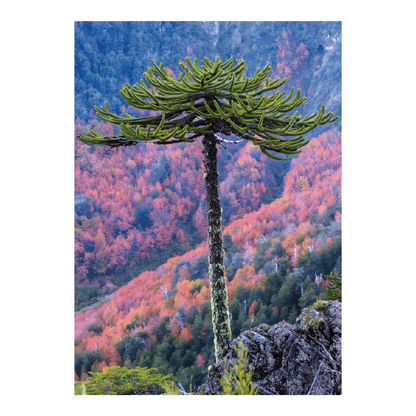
[37, 213]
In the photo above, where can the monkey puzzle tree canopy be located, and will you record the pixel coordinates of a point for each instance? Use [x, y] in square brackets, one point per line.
[213, 98]
[203, 101]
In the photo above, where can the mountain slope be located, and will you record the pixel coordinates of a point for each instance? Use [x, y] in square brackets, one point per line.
[124, 198]
[304, 222]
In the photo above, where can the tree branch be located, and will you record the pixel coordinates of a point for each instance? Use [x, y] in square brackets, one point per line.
[170, 142]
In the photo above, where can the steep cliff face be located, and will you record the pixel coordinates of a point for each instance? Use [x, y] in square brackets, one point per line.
[285, 359]
[257, 43]
[108, 54]
[326, 80]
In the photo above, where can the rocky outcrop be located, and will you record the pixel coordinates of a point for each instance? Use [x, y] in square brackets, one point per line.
[304, 358]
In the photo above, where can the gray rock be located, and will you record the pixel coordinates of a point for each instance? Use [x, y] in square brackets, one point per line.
[304, 358]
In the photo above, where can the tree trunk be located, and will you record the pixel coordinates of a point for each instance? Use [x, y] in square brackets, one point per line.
[219, 298]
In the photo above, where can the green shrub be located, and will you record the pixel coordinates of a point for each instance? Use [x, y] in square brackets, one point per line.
[122, 381]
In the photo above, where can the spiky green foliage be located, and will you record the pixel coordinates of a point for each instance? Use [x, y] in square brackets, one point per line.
[215, 97]
[171, 388]
[122, 381]
[236, 380]
[333, 291]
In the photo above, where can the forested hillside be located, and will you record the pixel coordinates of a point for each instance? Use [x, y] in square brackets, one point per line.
[108, 54]
[124, 199]
[276, 258]
[140, 224]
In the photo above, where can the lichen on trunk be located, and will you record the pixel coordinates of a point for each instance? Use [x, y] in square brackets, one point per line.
[219, 297]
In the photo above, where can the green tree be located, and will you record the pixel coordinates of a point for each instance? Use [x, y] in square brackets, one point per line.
[215, 97]
[260, 258]
[85, 360]
[309, 297]
[334, 290]
[272, 284]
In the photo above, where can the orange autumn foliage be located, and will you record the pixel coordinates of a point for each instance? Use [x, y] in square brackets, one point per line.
[251, 309]
[312, 184]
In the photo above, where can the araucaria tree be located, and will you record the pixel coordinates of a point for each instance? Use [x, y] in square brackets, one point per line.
[214, 97]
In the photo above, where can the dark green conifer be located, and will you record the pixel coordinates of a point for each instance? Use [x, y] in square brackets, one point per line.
[334, 290]
[215, 97]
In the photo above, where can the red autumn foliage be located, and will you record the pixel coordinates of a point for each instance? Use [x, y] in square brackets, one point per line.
[291, 59]
[312, 184]
[199, 361]
[251, 309]
[132, 203]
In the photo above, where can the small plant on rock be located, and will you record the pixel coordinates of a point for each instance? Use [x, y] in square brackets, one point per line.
[236, 380]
